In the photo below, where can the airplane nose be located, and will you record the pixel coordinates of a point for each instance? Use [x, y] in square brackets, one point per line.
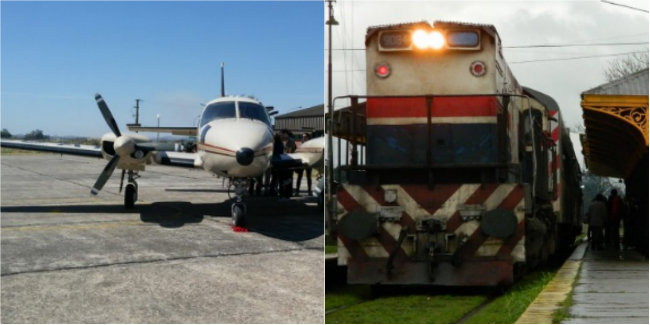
[245, 156]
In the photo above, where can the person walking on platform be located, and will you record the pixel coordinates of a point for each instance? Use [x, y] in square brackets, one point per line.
[596, 216]
[613, 223]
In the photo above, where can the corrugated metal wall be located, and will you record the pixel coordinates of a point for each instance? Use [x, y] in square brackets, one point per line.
[300, 124]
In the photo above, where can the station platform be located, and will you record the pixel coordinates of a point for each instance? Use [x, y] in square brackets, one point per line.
[612, 288]
[609, 287]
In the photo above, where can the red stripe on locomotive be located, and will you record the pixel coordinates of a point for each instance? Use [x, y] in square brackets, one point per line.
[442, 106]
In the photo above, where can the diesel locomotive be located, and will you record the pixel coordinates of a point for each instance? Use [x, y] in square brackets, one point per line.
[455, 174]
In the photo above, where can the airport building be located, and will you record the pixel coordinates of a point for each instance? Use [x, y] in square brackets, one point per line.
[304, 120]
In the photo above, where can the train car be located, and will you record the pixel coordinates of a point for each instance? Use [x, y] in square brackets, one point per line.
[467, 178]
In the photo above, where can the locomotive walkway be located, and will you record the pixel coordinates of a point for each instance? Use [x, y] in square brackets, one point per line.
[611, 287]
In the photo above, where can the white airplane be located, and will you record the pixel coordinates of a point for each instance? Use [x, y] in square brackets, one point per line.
[234, 140]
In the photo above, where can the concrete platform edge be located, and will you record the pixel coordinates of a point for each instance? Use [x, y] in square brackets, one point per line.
[541, 310]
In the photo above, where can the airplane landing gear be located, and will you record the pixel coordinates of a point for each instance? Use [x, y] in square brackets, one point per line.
[131, 192]
[238, 208]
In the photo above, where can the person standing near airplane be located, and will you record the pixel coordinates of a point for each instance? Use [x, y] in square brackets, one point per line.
[307, 170]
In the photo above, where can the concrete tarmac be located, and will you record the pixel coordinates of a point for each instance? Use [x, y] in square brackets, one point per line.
[69, 257]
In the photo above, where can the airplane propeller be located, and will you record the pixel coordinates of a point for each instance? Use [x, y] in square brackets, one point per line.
[106, 113]
[123, 145]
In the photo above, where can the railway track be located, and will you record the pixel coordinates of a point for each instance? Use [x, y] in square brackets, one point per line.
[421, 304]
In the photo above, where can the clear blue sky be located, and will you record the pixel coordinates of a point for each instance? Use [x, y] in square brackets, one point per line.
[56, 56]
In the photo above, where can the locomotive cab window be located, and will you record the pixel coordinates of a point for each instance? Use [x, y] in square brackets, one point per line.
[465, 39]
[394, 40]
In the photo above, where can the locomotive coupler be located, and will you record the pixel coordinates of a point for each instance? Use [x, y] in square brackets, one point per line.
[431, 226]
[431, 254]
[457, 257]
[400, 240]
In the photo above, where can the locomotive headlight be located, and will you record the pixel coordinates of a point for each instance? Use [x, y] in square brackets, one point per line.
[390, 196]
[436, 40]
[421, 39]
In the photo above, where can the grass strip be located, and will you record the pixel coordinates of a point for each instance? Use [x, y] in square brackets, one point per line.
[13, 151]
[507, 308]
[330, 249]
[345, 296]
[413, 309]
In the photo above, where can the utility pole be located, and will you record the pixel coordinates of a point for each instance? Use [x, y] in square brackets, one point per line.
[158, 133]
[330, 163]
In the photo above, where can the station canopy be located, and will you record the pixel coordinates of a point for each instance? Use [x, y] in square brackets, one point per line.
[616, 121]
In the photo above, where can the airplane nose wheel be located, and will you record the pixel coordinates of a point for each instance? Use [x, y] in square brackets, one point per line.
[238, 214]
[131, 191]
[238, 209]
[130, 196]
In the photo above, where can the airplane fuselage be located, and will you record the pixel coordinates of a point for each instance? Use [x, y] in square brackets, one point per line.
[224, 139]
[235, 138]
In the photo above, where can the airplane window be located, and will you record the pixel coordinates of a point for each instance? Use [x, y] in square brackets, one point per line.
[253, 111]
[218, 110]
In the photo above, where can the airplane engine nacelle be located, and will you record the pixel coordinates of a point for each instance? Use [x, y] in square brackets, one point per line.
[311, 153]
[107, 145]
[132, 156]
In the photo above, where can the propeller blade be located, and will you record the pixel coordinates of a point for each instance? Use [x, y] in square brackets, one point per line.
[105, 175]
[107, 115]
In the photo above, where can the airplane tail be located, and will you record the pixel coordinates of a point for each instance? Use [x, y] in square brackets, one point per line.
[223, 86]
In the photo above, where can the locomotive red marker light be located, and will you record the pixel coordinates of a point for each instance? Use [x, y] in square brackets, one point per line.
[382, 70]
[477, 68]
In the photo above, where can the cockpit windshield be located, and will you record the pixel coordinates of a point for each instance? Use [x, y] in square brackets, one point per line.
[253, 111]
[227, 109]
[218, 110]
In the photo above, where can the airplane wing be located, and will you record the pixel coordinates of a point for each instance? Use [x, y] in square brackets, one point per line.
[168, 158]
[70, 149]
[178, 159]
[286, 161]
[175, 130]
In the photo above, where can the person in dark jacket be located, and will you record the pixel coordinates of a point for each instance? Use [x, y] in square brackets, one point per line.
[278, 150]
[306, 170]
[596, 216]
[613, 223]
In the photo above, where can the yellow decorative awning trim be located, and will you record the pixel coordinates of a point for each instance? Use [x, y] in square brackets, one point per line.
[629, 108]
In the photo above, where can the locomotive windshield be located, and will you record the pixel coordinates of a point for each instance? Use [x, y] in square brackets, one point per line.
[462, 39]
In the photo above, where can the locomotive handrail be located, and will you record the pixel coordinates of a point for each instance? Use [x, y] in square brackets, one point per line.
[440, 166]
[353, 138]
